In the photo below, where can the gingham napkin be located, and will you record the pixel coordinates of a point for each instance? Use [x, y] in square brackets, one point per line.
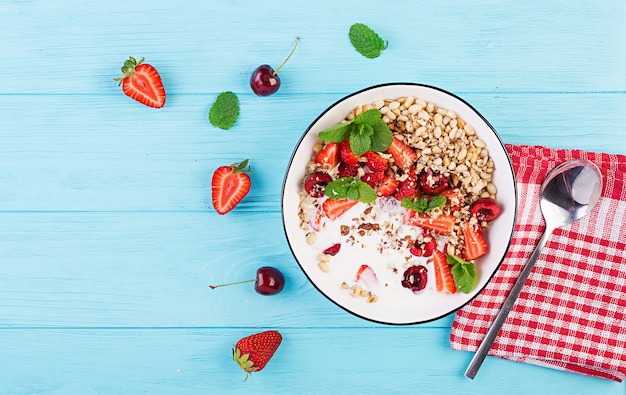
[571, 313]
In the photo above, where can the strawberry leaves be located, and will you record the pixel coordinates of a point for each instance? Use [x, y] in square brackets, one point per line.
[367, 131]
[366, 41]
[464, 273]
[224, 111]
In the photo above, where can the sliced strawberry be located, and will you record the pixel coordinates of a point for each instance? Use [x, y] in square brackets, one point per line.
[387, 186]
[375, 162]
[334, 208]
[345, 170]
[229, 185]
[444, 281]
[402, 155]
[315, 218]
[475, 243]
[347, 156]
[142, 82]
[454, 199]
[443, 224]
[372, 179]
[328, 157]
[407, 187]
[367, 276]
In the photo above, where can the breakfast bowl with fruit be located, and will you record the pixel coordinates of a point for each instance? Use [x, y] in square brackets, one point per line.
[399, 203]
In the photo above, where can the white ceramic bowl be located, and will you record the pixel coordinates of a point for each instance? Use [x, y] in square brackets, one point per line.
[395, 305]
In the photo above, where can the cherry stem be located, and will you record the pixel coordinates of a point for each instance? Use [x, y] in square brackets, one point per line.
[225, 285]
[291, 53]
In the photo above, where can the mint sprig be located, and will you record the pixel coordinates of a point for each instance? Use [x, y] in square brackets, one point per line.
[351, 188]
[422, 204]
[367, 131]
[463, 272]
[224, 111]
[366, 41]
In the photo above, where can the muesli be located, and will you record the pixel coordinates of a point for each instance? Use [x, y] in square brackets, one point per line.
[411, 177]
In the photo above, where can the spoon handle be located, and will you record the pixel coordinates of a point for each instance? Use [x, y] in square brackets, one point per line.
[489, 338]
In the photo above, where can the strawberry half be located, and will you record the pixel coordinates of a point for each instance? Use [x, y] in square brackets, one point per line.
[253, 352]
[347, 156]
[334, 208]
[402, 154]
[407, 187]
[328, 157]
[230, 184]
[475, 243]
[142, 82]
[444, 281]
[387, 186]
[375, 162]
[443, 224]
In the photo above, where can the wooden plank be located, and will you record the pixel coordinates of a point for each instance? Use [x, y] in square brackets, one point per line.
[487, 46]
[108, 153]
[198, 361]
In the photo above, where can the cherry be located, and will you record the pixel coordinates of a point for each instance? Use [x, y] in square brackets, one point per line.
[268, 281]
[433, 183]
[415, 278]
[264, 80]
[485, 209]
[316, 182]
[424, 245]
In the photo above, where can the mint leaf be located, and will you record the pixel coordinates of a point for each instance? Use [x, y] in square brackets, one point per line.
[337, 133]
[369, 117]
[423, 204]
[360, 138]
[463, 272]
[366, 192]
[351, 188]
[224, 111]
[382, 137]
[366, 41]
[436, 202]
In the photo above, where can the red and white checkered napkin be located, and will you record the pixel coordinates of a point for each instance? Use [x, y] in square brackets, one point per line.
[571, 313]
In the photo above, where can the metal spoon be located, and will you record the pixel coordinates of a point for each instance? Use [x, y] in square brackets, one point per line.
[568, 193]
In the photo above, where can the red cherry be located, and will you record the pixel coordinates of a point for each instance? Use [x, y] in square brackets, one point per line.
[316, 182]
[265, 80]
[485, 209]
[432, 183]
[415, 278]
[268, 281]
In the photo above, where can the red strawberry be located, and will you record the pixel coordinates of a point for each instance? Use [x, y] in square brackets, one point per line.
[333, 249]
[229, 185]
[347, 156]
[407, 187]
[401, 153]
[454, 199]
[475, 243]
[444, 281]
[372, 179]
[334, 208]
[387, 186]
[328, 157]
[253, 352]
[375, 162]
[367, 276]
[142, 82]
[424, 245]
[443, 224]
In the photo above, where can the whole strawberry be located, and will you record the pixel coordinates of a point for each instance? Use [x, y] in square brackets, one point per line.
[142, 82]
[253, 352]
[230, 184]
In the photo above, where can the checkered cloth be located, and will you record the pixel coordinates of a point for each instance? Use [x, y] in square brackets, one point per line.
[571, 313]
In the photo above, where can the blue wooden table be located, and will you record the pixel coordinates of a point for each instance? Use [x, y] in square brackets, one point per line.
[108, 240]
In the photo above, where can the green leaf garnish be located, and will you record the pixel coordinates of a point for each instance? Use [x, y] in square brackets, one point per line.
[337, 133]
[366, 41]
[422, 204]
[463, 272]
[224, 111]
[367, 131]
[351, 188]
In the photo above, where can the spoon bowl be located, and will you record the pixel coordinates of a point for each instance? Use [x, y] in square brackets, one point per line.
[568, 193]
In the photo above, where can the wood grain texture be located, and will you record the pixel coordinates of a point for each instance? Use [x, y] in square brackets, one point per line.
[108, 241]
